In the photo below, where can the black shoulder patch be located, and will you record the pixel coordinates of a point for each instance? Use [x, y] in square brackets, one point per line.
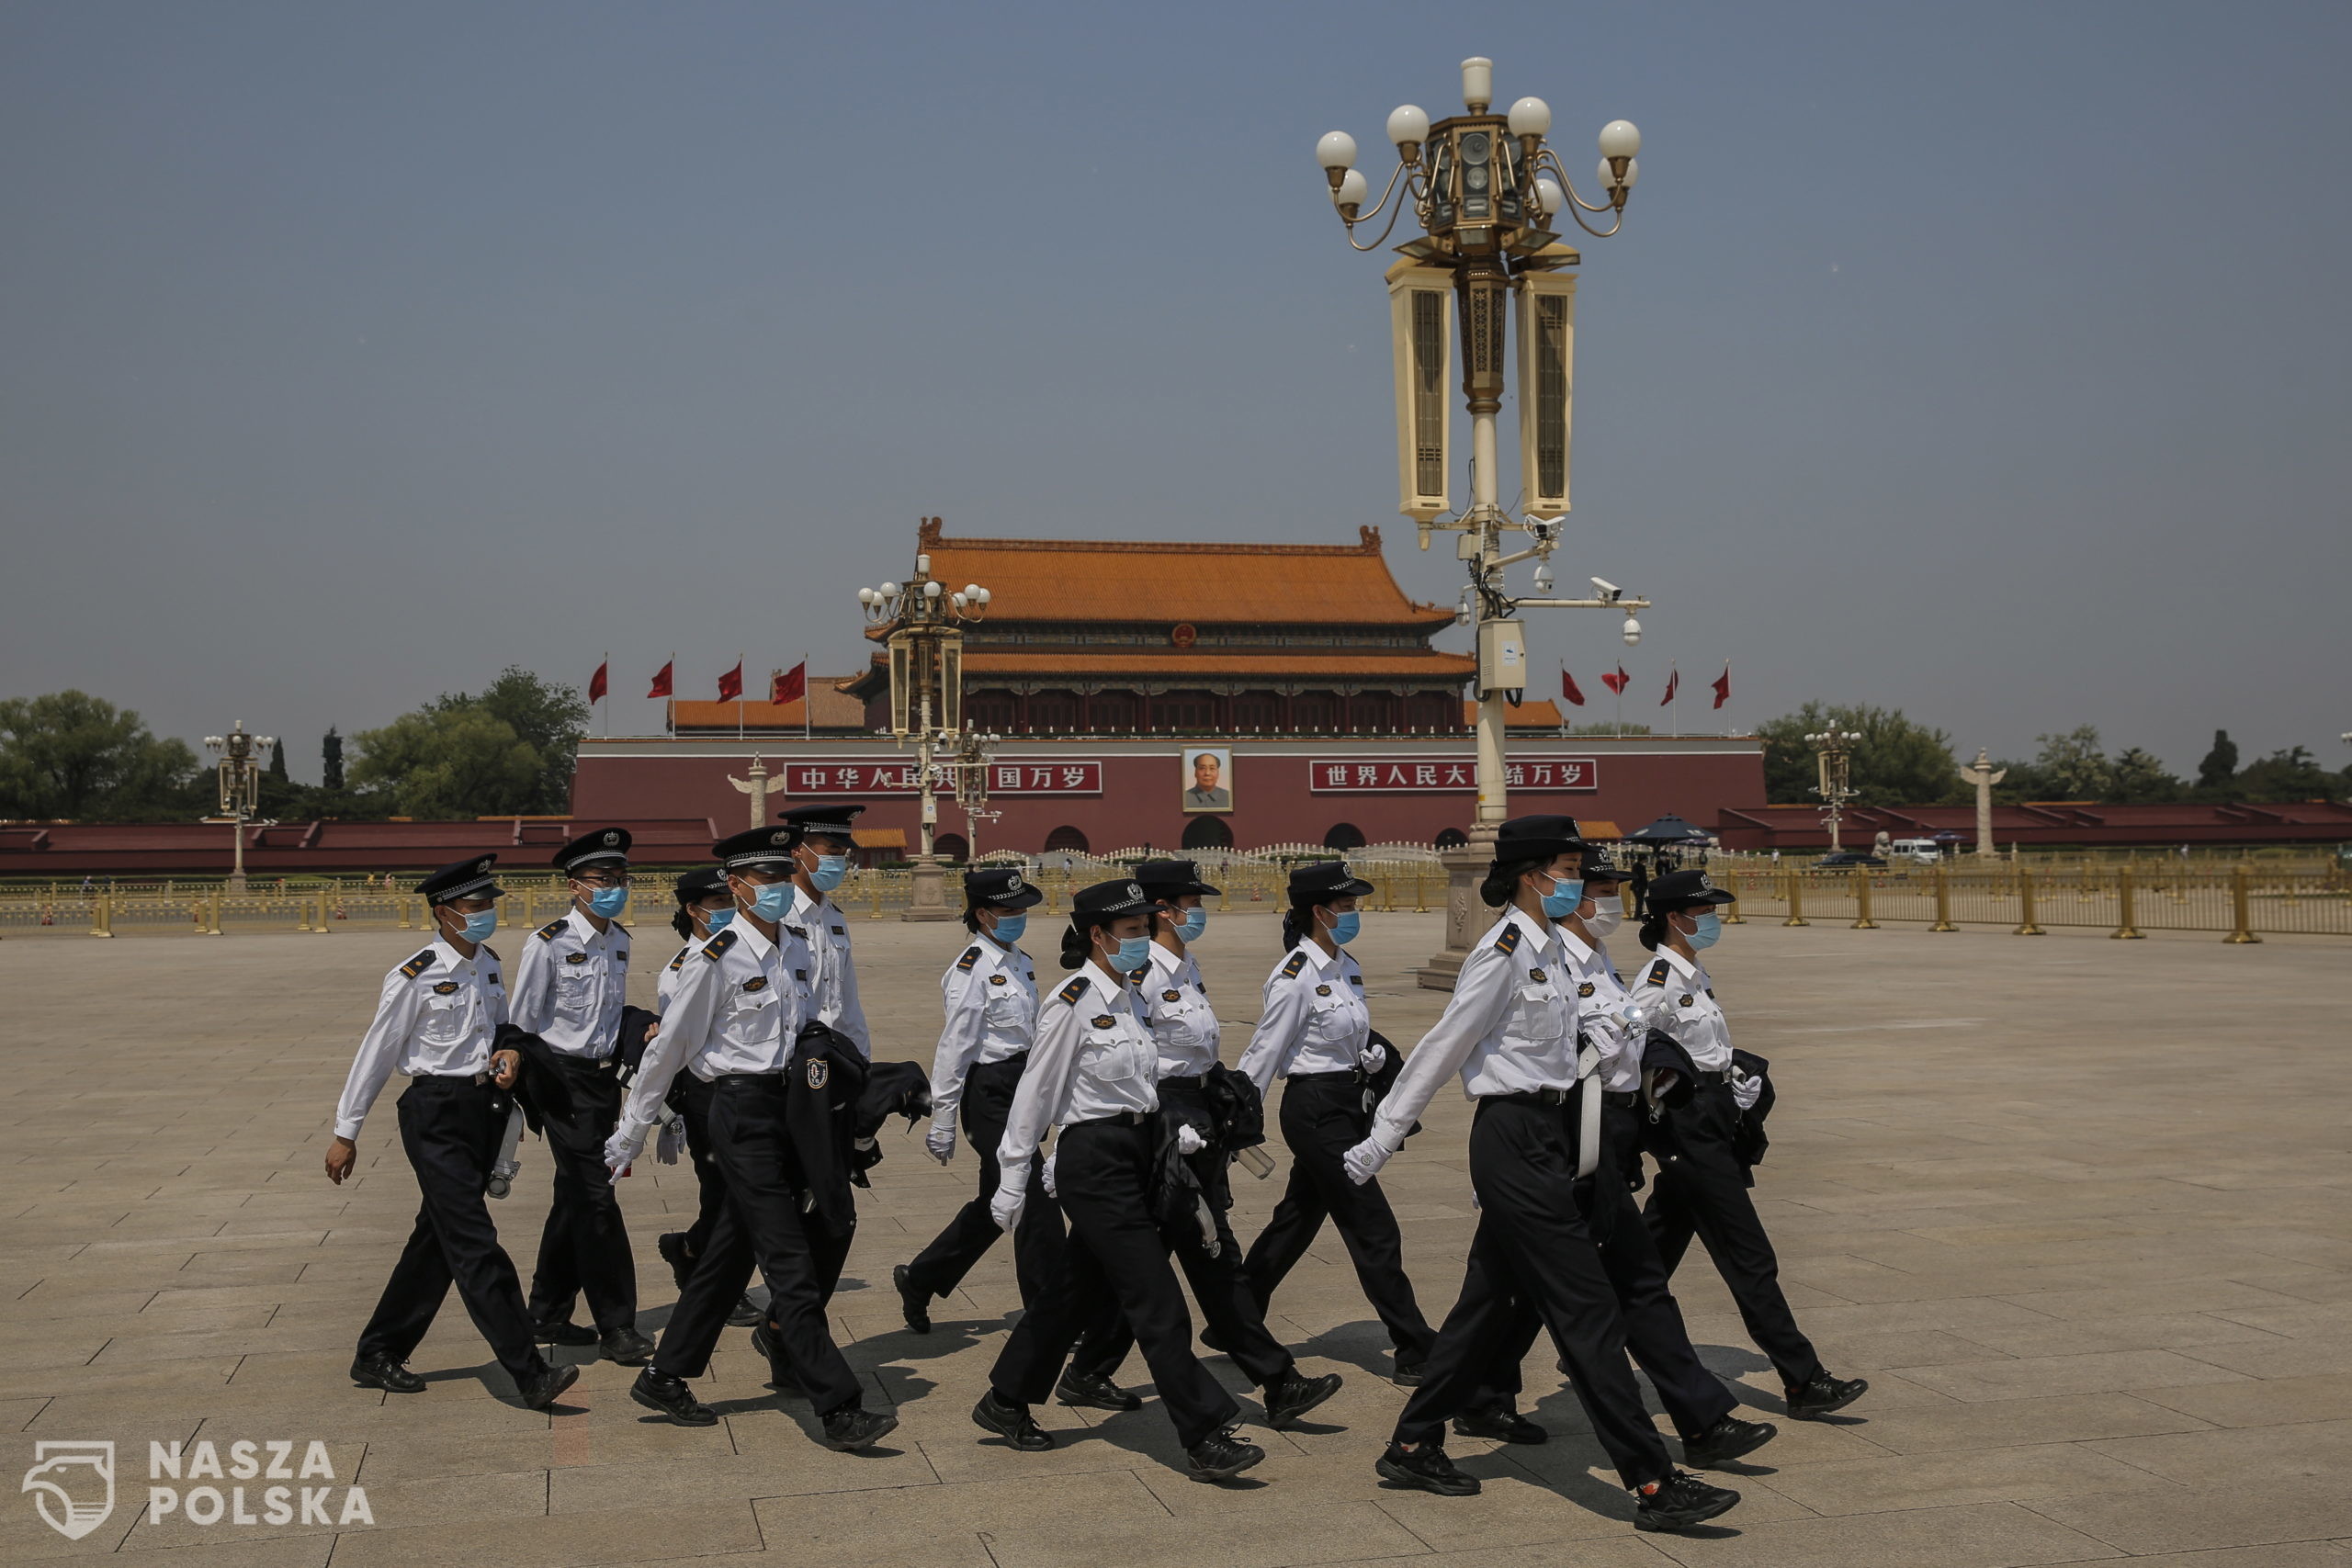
[1509, 942]
[1297, 961]
[718, 944]
[971, 956]
[546, 932]
[1075, 989]
[418, 964]
[1659, 971]
[679, 961]
[491, 951]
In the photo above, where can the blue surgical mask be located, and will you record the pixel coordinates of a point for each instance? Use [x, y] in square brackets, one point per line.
[479, 924]
[717, 921]
[830, 871]
[1562, 901]
[1195, 922]
[1710, 931]
[607, 901]
[1345, 926]
[1133, 952]
[772, 902]
[1007, 928]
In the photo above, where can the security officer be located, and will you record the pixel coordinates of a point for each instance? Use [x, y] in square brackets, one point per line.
[1315, 1029]
[1175, 1006]
[705, 907]
[1510, 1032]
[569, 984]
[734, 1020]
[820, 861]
[1702, 1182]
[1696, 1400]
[1091, 1072]
[436, 1021]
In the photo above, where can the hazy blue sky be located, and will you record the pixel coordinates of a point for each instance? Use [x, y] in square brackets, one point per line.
[1986, 360]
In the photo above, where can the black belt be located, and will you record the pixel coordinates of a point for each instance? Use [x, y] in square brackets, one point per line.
[774, 1075]
[1185, 1082]
[1345, 1075]
[1723, 1078]
[1624, 1099]
[455, 1081]
[1116, 1119]
[1535, 1095]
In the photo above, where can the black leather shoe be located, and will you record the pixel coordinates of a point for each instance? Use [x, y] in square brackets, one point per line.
[856, 1427]
[746, 1313]
[1822, 1396]
[1727, 1441]
[1427, 1468]
[1012, 1422]
[672, 1398]
[1680, 1501]
[1499, 1422]
[564, 1332]
[1293, 1396]
[671, 1246]
[1220, 1456]
[914, 1301]
[1094, 1391]
[1408, 1373]
[382, 1372]
[625, 1348]
[543, 1387]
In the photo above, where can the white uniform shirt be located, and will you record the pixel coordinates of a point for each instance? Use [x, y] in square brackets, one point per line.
[1176, 1009]
[1510, 1027]
[570, 983]
[1312, 1018]
[1601, 1006]
[438, 1014]
[736, 1006]
[833, 996]
[666, 983]
[1093, 1058]
[989, 995]
[1675, 995]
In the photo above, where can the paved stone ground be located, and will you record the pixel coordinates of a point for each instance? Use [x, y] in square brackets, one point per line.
[2076, 1207]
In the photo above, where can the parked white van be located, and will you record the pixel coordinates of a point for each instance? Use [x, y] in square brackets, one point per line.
[1919, 852]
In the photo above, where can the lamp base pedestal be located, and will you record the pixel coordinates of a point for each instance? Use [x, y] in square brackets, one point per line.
[1466, 867]
[930, 899]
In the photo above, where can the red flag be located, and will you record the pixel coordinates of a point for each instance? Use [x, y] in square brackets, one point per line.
[1673, 684]
[662, 681]
[1568, 687]
[596, 682]
[730, 686]
[1619, 682]
[790, 685]
[1723, 685]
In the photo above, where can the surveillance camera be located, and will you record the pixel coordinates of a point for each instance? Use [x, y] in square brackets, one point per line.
[1608, 589]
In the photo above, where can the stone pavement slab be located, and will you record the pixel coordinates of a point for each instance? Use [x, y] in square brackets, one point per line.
[2085, 1230]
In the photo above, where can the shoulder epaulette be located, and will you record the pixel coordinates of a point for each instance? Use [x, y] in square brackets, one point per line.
[718, 944]
[546, 932]
[971, 956]
[679, 961]
[1075, 989]
[1297, 961]
[1509, 940]
[1659, 971]
[418, 964]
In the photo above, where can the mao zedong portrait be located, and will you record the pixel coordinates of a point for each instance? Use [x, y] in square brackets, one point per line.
[1208, 791]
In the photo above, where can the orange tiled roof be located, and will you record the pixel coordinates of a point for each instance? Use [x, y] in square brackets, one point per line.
[1297, 666]
[834, 710]
[1093, 579]
[1540, 714]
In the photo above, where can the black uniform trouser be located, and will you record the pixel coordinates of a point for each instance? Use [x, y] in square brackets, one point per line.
[1116, 1260]
[450, 1130]
[584, 1249]
[760, 1225]
[1322, 1118]
[1534, 1243]
[1701, 1190]
[692, 1097]
[1694, 1397]
[1038, 1238]
[1229, 1308]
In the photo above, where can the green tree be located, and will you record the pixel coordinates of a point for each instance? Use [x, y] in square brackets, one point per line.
[2219, 768]
[2141, 779]
[1897, 761]
[2289, 775]
[2072, 767]
[330, 760]
[75, 756]
[277, 760]
[442, 762]
[547, 717]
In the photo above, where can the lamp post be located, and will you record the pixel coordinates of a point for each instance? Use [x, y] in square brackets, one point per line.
[971, 770]
[924, 621]
[240, 788]
[1487, 192]
[1832, 755]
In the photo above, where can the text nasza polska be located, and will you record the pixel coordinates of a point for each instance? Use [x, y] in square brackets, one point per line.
[265, 1461]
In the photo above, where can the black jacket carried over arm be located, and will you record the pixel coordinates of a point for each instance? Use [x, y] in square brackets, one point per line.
[1752, 1143]
[821, 1086]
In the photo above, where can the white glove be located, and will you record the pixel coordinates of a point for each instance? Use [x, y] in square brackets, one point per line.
[1372, 1058]
[1046, 1175]
[1364, 1161]
[672, 1140]
[1005, 1207]
[622, 1149]
[1188, 1141]
[941, 1141]
[1747, 1091]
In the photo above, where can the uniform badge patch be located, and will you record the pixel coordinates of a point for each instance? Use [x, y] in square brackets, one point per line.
[1322, 990]
[1355, 980]
[756, 983]
[1537, 976]
[1686, 999]
[800, 975]
[1104, 1021]
[1172, 995]
[446, 988]
[575, 958]
[1585, 989]
[820, 1071]
[841, 931]
[997, 980]
[1509, 942]
[1710, 992]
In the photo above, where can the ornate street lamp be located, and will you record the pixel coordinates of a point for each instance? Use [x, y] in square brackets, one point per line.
[1833, 757]
[239, 787]
[926, 657]
[1487, 192]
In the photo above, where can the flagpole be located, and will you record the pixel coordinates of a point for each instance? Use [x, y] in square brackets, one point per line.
[669, 703]
[1674, 705]
[807, 700]
[607, 666]
[739, 696]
